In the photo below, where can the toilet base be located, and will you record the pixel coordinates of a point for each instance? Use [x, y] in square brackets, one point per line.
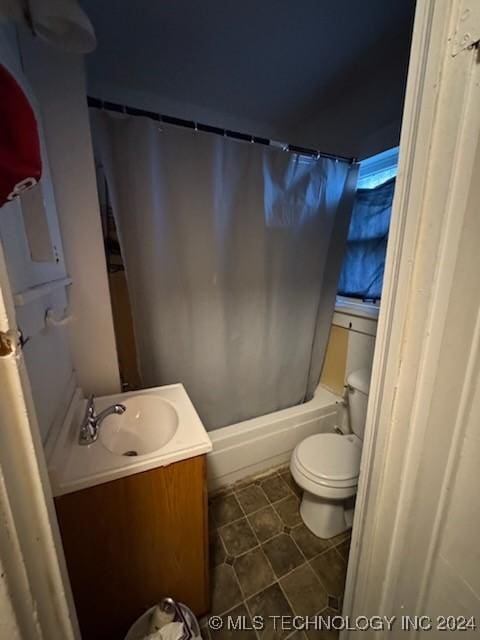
[324, 518]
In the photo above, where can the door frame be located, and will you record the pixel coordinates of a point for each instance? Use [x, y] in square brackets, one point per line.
[440, 133]
[35, 597]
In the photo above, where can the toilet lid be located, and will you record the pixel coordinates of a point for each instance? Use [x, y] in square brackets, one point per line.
[330, 456]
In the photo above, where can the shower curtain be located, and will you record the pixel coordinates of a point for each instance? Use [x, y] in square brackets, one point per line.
[232, 254]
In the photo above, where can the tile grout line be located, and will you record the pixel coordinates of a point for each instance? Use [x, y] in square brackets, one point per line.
[233, 492]
[244, 516]
[253, 484]
[247, 516]
[230, 488]
[228, 612]
[307, 563]
[244, 599]
[274, 574]
[270, 502]
[313, 569]
[276, 578]
[259, 545]
[296, 526]
[280, 516]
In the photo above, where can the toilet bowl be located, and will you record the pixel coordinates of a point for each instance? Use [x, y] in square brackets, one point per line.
[326, 466]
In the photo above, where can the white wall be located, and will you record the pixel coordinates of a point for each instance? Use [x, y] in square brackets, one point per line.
[361, 121]
[312, 73]
[455, 580]
[47, 352]
[87, 344]
[9, 627]
[451, 449]
[358, 113]
[126, 95]
[362, 114]
[49, 365]
[415, 537]
[31, 554]
[58, 81]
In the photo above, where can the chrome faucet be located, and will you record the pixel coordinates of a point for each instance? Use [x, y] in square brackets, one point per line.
[92, 421]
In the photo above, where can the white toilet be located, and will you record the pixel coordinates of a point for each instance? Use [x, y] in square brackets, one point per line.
[326, 466]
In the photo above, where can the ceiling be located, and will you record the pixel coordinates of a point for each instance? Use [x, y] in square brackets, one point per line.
[277, 61]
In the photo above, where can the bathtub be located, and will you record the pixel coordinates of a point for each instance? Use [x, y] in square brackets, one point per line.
[252, 446]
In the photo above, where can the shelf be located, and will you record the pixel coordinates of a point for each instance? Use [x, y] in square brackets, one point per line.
[39, 291]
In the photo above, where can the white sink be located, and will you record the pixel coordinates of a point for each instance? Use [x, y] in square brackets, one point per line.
[159, 427]
[146, 426]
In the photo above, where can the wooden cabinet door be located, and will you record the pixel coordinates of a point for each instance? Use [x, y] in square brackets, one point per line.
[132, 541]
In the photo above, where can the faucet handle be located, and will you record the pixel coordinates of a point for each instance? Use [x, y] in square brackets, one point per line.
[90, 410]
[87, 428]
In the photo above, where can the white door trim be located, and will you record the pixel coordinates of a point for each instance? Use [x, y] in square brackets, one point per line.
[437, 153]
[35, 598]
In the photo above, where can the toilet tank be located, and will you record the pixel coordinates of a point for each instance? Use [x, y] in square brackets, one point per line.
[358, 387]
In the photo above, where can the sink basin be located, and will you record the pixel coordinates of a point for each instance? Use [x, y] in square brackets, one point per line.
[160, 427]
[145, 427]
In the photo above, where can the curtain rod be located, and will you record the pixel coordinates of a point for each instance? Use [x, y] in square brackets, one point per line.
[105, 105]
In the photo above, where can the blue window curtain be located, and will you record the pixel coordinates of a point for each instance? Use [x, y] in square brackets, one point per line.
[364, 262]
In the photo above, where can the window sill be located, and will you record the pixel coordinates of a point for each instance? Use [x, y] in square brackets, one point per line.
[354, 307]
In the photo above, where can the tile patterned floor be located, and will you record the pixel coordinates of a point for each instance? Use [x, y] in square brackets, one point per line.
[264, 561]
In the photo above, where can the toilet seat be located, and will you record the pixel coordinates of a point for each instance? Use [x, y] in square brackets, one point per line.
[329, 460]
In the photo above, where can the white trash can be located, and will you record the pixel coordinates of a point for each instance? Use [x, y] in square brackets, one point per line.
[140, 627]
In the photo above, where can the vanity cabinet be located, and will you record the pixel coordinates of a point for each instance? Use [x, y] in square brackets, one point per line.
[132, 541]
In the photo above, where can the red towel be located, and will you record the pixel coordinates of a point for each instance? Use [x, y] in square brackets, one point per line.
[20, 159]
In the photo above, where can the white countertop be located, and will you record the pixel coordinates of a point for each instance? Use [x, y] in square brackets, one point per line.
[73, 467]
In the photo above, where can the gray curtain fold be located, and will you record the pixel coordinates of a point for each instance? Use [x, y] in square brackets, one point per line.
[334, 258]
[232, 254]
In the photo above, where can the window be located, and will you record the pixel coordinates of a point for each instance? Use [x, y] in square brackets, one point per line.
[364, 262]
[378, 169]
